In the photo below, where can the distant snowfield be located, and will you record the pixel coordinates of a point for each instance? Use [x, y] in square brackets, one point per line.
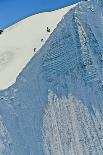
[17, 43]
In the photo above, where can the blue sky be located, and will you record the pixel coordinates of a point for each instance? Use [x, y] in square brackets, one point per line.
[12, 11]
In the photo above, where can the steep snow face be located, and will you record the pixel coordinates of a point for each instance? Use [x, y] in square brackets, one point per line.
[70, 129]
[56, 105]
[18, 42]
[5, 140]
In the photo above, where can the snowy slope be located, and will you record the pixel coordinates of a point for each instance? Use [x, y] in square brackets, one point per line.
[17, 43]
[56, 105]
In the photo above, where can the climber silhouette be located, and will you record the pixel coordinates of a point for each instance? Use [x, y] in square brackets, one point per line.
[1, 31]
[48, 30]
[34, 49]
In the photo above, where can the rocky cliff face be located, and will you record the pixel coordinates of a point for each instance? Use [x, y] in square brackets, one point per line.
[56, 105]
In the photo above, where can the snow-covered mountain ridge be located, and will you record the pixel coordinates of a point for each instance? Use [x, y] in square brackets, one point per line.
[56, 105]
[17, 42]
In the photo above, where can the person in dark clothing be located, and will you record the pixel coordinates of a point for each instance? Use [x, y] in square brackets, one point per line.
[34, 49]
[42, 40]
[1, 31]
[48, 30]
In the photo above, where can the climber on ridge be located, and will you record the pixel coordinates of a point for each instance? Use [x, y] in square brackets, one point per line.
[42, 40]
[48, 30]
[34, 49]
[1, 31]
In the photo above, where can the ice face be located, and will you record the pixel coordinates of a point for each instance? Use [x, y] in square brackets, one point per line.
[56, 105]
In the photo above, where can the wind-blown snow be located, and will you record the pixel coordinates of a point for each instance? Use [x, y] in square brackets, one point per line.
[56, 105]
[17, 43]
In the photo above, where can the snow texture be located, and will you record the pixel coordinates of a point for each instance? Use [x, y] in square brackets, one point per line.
[55, 107]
